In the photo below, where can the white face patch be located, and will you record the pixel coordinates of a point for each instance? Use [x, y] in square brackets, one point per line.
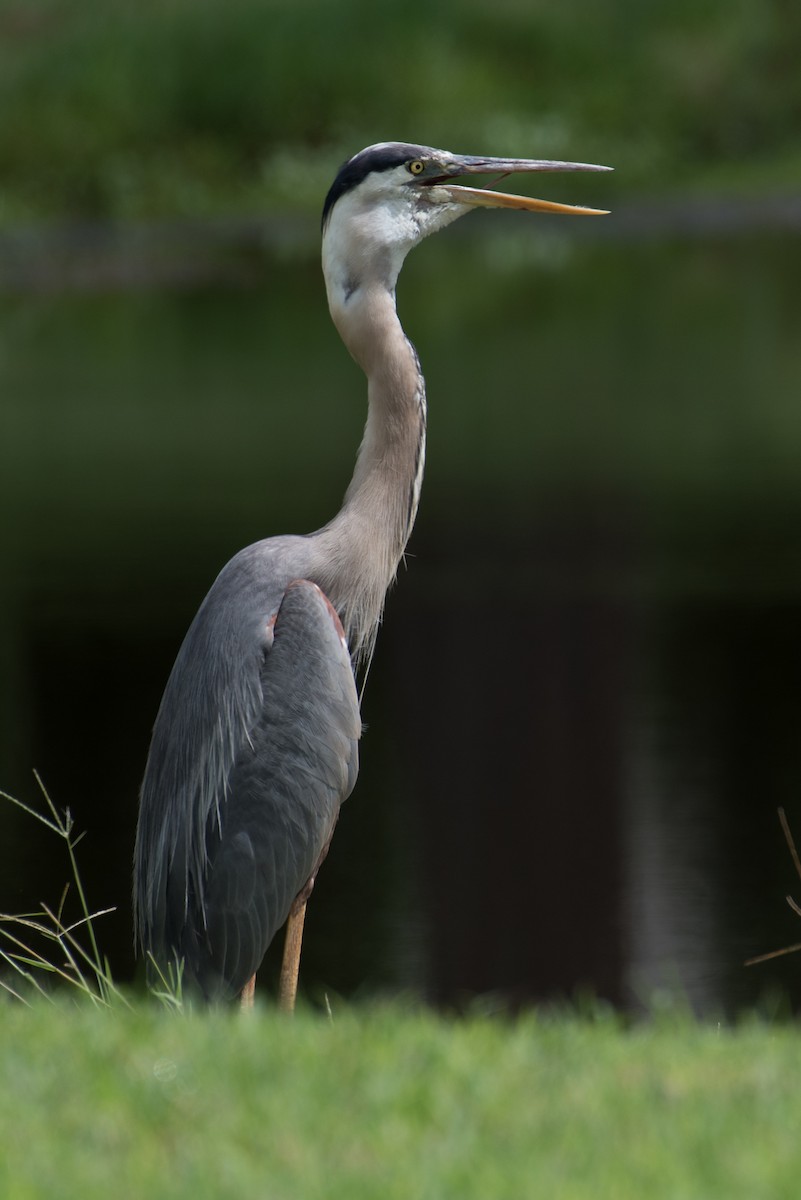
[374, 225]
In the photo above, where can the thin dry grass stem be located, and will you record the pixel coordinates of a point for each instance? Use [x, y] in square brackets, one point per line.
[791, 846]
[751, 962]
[12, 992]
[788, 837]
[26, 956]
[81, 968]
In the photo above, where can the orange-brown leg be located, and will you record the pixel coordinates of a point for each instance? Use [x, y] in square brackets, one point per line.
[248, 992]
[290, 965]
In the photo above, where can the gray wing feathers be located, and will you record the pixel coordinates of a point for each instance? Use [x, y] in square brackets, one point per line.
[285, 789]
[212, 699]
[234, 824]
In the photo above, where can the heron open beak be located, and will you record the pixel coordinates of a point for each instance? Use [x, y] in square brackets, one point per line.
[486, 198]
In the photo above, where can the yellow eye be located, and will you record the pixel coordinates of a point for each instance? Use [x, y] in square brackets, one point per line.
[416, 167]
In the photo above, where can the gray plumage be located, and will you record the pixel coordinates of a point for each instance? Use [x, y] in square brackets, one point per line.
[255, 745]
[245, 779]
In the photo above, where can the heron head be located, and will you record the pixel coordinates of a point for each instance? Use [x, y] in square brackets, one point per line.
[390, 196]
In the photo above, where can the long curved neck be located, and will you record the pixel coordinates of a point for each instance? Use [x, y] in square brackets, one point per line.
[364, 543]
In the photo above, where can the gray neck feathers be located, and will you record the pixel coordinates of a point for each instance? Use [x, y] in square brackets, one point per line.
[361, 548]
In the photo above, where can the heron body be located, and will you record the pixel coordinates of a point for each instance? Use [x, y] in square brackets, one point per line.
[255, 745]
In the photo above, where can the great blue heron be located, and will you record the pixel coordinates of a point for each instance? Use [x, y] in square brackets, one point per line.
[255, 745]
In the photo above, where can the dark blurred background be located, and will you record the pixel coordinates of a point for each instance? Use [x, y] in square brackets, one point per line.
[585, 705]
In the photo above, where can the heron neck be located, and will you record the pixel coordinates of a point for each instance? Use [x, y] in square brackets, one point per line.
[369, 534]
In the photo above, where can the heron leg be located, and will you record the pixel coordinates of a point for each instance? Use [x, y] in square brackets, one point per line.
[247, 994]
[290, 966]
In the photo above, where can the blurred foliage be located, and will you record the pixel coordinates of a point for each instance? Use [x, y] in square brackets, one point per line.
[196, 107]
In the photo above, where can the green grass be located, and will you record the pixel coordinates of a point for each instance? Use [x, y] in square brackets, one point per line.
[389, 1103]
[106, 1094]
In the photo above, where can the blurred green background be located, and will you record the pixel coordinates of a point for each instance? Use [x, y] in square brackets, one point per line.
[195, 108]
[584, 708]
